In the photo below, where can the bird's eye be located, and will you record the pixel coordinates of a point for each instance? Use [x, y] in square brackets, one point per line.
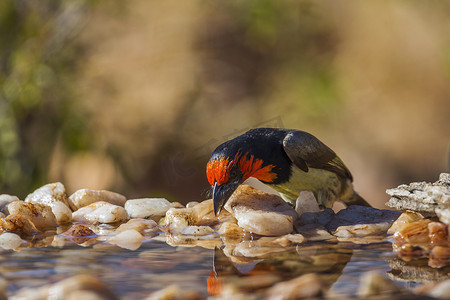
[233, 173]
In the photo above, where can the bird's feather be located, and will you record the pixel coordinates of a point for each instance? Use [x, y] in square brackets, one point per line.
[306, 151]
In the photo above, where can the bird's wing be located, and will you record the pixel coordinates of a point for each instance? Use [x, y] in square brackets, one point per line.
[306, 151]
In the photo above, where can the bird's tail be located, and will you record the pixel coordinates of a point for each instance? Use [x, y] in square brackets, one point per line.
[356, 199]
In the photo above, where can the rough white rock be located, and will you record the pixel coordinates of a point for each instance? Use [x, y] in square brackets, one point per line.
[152, 208]
[422, 196]
[53, 195]
[9, 240]
[443, 215]
[101, 212]
[129, 239]
[179, 218]
[261, 213]
[145, 227]
[85, 197]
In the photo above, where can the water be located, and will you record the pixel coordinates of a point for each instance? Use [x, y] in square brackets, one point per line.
[135, 274]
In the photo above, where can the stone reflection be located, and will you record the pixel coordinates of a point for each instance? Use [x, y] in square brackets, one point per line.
[263, 269]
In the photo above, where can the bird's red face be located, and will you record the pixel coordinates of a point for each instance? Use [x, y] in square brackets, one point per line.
[226, 174]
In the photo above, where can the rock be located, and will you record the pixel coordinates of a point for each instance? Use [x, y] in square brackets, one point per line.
[147, 228]
[84, 197]
[405, 218]
[152, 208]
[422, 197]
[18, 224]
[415, 272]
[436, 289]
[443, 215]
[201, 215]
[361, 221]
[306, 203]
[232, 231]
[174, 292]
[197, 230]
[86, 285]
[373, 284]
[101, 212]
[80, 233]
[9, 240]
[179, 218]
[53, 195]
[261, 213]
[5, 199]
[305, 286]
[439, 257]
[129, 239]
[191, 204]
[39, 214]
[312, 225]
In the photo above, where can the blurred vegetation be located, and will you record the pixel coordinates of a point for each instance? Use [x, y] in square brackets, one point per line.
[133, 96]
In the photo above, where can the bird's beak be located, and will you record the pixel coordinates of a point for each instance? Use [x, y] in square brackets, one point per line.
[221, 193]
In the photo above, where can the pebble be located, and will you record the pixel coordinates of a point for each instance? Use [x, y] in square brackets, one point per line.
[70, 288]
[305, 286]
[53, 195]
[152, 208]
[373, 284]
[405, 218]
[362, 221]
[5, 199]
[261, 213]
[85, 197]
[101, 212]
[174, 292]
[9, 240]
[306, 203]
[436, 289]
[312, 225]
[80, 233]
[129, 239]
[40, 215]
[146, 227]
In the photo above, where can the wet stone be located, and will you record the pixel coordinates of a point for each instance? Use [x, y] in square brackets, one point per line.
[405, 218]
[5, 199]
[312, 225]
[9, 240]
[85, 197]
[147, 228]
[261, 213]
[101, 212]
[129, 239]
[53, 195]
[40, 215]
[373, 284]
[305, 286]
[151, 208]
[69, 288]
[361, 221]
[79, 233]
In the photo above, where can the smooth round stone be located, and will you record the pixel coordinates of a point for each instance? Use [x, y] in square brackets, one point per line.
[9, 240]
[128, 239]
[101, 212]
[152, 208]
[85, 197]
[261, 213]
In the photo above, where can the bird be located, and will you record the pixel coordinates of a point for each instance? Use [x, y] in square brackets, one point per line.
[288, 160]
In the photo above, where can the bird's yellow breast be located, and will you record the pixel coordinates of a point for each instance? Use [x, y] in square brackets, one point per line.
[326, 186]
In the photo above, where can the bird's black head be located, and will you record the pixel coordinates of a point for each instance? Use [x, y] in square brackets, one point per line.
[229, 166]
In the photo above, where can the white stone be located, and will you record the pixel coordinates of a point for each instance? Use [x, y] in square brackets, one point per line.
[85, 197]
[306, 203]
[129, 239]
[53, 195]
[5, 199]
[179, 218]
[9, 240]
[152, 208]
[197, 230]
[260, 212]
[100, 212]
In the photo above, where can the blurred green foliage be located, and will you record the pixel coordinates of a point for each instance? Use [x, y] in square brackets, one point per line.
[37, 104]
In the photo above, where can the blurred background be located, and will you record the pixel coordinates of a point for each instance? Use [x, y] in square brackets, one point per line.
[133, 96]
